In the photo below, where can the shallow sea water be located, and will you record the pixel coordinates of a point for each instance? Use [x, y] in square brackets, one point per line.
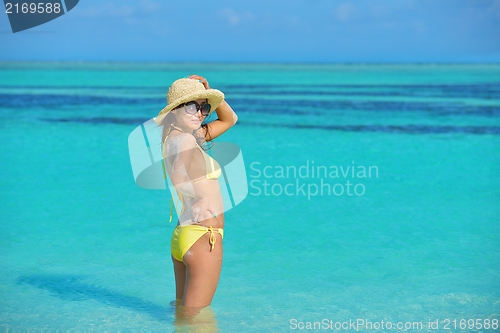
[84, 248]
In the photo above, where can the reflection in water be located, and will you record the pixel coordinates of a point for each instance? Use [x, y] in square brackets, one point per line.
[194, 320]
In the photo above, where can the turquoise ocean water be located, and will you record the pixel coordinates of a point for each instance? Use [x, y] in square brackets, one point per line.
[82, 247]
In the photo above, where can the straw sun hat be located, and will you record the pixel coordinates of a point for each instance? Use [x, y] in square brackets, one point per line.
[186, 90]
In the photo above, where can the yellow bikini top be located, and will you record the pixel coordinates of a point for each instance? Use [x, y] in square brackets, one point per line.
[212, 168]
[210, 164]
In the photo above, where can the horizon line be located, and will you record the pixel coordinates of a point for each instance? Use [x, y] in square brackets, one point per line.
[257, 62]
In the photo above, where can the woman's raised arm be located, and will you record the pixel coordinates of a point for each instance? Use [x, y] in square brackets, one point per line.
[225, 114]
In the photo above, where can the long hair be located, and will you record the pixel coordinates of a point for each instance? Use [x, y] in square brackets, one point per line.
[169, 120]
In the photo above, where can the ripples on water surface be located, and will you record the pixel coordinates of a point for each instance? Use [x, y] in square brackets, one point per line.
[84, 248]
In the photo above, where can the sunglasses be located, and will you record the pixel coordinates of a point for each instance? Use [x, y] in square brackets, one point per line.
[193, 107]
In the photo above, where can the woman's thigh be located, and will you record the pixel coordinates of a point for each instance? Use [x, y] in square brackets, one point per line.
[203, 267]
[180, 277]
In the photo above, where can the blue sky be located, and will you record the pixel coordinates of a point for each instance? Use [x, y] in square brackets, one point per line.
[264, 31]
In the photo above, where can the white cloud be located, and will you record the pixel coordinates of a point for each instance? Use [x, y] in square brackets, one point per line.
[495, 9]
[108, 9]
[419, 26]
[234, 18]
[344, 11]
[149, 5]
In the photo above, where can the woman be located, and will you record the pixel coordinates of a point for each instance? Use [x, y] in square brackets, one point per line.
[197, 240]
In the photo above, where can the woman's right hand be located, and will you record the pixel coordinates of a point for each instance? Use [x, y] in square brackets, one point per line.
[202, 210]
[201, 79]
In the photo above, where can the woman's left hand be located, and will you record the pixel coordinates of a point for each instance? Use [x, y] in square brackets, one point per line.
[202, 210]
[201, 79]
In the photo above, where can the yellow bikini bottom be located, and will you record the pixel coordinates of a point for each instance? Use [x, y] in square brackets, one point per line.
[185, 236]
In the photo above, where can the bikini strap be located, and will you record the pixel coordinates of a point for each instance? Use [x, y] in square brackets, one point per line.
[166, 137]
[212, 240]
[164, 167]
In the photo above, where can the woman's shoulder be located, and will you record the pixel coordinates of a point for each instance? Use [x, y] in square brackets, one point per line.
[181, 141]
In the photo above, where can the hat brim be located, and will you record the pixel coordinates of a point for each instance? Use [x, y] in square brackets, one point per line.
[215, 98]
